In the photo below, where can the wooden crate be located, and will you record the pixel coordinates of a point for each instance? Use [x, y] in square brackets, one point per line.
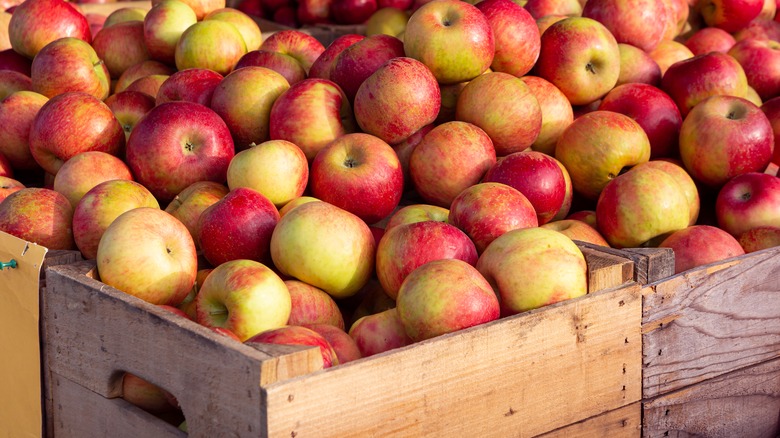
[575, 363]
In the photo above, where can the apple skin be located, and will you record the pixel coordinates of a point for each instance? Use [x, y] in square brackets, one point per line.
[69, 64]
[312, 12]
[690, 81]
[642, 204]
[406, 247]
[145, 395]
[296, 203]
[725, 136]
[543, 8]
[323, 65]
[17, 112]
[244, 99]
[412, 213]
[577, 230]
[504, 107]
[516, 36]
[581, 57]
[149, 254]
[710, 39]
[297, 335]
[623, 143]
[164, 25]
[100, 206]
[556, 109]
[38, 215]
[177, 144]
[142, 69]
[201, 7]
[444, 296]
[285, 65]
[640, 23]
[311, 305]
[761, 28]
[121, 46]
[243, 296]
[771, 109]
[729, 15]
[237, 226]
[487, 210]
[301, 46]
[210, 44]
[191, 85]
[748, 201]
[388, 20]
[760, 59]
[128, 108]
[404, 151]
[190, 203]
[13, 81]
[359, 173]
[668, 53]
[674, 168]
[758, 238]
[10, 60]
[636, 65]
[379, 332]
[325, 246]
[36, 23]
[9, 185]
[452, 38]
[277, 169]
[352, 11]
[124, 14]
[397, 100]
[361, 59]
[344, 346]
[460, 150]
[700, 245]
[246, 26]
[86, 170]
[70, 123]
[537, 176]
[310, 114]
[655, 112]
[533, 267]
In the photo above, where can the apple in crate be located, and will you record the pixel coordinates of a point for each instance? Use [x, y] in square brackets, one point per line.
[361, 59]
[379, 332]
[312, 305]
[285, 65]
[243, 296]
[190, 203]
[140, 70]
[730, 15]
[301, 46]
[577, 230]
[10, 60]
[325, 246]
[17, 112]
[38, 215]
[246, 26]
[192, 85]
[343, 344]
[12, 81]
[629, 21]
[763, 237]
[359, 173]
[210, 44]
[637, 66]
[444, 296]
[295, 203]
[69, 64]
[36, 23]
[123, 14]
[388, 20]
[164, 24]
[709, 39]
[559, 273]
[323, 65]
[760, 58]
[8, 186]
[515, 34]
[277, 169]
[668, 53]
[674, 168]
[352, 11]
[177, 144]
[147, 253]
[146, 395]
[487, 210]
[748, 201]
[297, 335]
[85, 170]
[700, 245]
[121, 46]
[556, 109]
[417, 213]
[128, 108]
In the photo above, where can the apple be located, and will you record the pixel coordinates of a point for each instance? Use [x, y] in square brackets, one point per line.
[637, 66]
[397, 100]
[379, 332]
[409, 214]
[674, 168]
[725, 136]
[5, 41]
[771, 109]
[748, 201]
[546, 21]
[556, 110]
[246, 26]
[297, 335]
[444, 296]
[622, 143]
[405, 247]
[641, 23]
[296, 203]
[452, 38]
[359, 173]
[361, 59]
[70, 123]
[758, 238]
[352, 11]
[149, 254]
[5, 166]
[149, 85]
[245, 297]
[140, 70]
[325, 246]
[710, 39]
[310, 114]
[253, 8]
[387, 20]
[10, 60]
[654, 110]
[404, 151]
[164, 25]
[504, 107]
[344, 346]
[128, 108]
[760, 59]
[100, 206]
[301, 46]
[201, 7]
[537, 176]
[190, 203]
[312, 305]
[729, 15]
[237, 226]
[9, 185]
[516, 36]
[286, 16]
[146, 395]
[323, 65]
[38, 215]
[85, 170]
[210, 44]
[559, 270]
[642, 204]
[577, 230]
[450, 158]
[690, 81]
[13, 81]
[700, 245]
[487, 210]
[287, 66]
[66, 65]
[312, 12]
[121, 46]
[36, 23]
[543, 8]
[398, 4]
[668, 53]
[192, 85]
[761, 28]
[177, 144]
[17, 112]
[277, 169]
[125, 14]
[581, 57]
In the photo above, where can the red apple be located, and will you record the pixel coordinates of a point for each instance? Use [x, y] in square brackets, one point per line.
[516, 36]
[758, 238]
[345, 347]
[412, 213]
[164, 24]
[577, 230]
[637, 66]
[556, 109]
[85, 170]
[192, 85]
[210, 44]
[297, 335]
[38, 215]
[544, 8]
[312, 305]
[641, 23]
[729, 15]
[10, 60]
[310, 12]
[8, 186]
[404, 151]
[121, 46]
[149, 85]
[146, 395]
[124, 14]
[17, 112]
[760, 59]
[748, 201]
[360, 60]
[668, 53]
[379, 332]
[352, 11]
[190, 203]
[700, 245]
[301, 46]
[140, 70]
[771, 109]
[36, 23]
[323, 65]
[66, 65]
[709, 39]
[13, 81]
[128, 108]
[285, 65]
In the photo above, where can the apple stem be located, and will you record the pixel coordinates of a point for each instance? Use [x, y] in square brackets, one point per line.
[590, 68]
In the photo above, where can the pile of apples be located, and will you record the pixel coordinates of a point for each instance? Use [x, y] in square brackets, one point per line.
[301, 13]
[386, 190]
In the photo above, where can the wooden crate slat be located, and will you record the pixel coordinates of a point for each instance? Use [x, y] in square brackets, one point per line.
[625, 422]
[650, 264]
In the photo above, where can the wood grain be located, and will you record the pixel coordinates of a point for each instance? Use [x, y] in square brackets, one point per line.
[650, 264]
[606, 270]
[743, 403]
[625, 422]
[710, 321]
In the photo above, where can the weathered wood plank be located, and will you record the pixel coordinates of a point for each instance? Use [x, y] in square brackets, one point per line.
[520, 376]
[650, 264]
[743, 403]
[625, 422]
[710, 321]
[606, 270]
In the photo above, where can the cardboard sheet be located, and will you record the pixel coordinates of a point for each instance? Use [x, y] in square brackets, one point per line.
[21, 413]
